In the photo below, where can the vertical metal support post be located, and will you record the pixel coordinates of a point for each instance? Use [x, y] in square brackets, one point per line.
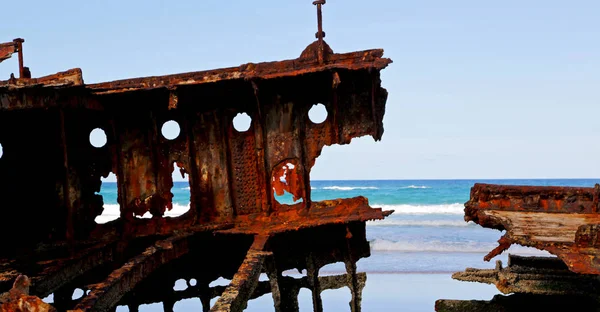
[320, 33]
[19, 43]
[312, 271]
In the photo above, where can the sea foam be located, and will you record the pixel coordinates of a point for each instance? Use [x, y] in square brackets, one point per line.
[415, 187]
[455, 208]
[448, 247]
[349, 188]
[424, 223]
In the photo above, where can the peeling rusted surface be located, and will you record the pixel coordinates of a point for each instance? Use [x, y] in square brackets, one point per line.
[17, 299]
[561, 220]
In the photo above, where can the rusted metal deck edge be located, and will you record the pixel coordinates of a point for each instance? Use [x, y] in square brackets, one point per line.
[306, 64]
[326, 212]
[268, 70]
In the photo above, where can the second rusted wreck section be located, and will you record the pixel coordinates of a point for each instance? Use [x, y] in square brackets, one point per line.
[236, 228]
[561, 220]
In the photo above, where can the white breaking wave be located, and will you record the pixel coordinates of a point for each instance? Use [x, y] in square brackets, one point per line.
[186, 188]
[449, 247]
[430, 223]
[455, 208]
[415, 187]
[349, 188]
[112, 212]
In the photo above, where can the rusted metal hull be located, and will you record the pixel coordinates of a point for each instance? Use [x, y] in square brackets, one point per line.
[234, 176]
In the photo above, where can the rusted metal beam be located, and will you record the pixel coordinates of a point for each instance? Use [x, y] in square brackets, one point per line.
[6, 50]
[560, 220]
[236, 295]
[327, 212]
[70, 78]
[534, 275]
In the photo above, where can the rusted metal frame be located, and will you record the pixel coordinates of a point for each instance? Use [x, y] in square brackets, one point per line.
[335, 120]
[305, 161]
[155, 157]
[121, 185]
[271, 269]
[374, 96]
[264, 166]
[236, 295]
[353, 282]
[106, 295]
[193, 169]
[262, 288]
[19, 44]
[261, 151]
[226, 128]
[312, 272]
[70, 234]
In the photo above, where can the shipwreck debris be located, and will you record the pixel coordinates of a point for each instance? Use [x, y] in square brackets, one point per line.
[531, 283]
[561, 220]
[235, 228]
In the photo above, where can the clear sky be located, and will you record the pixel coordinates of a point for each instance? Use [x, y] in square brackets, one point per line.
[478, 89]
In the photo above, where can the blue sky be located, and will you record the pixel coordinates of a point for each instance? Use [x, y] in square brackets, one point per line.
[505, 89]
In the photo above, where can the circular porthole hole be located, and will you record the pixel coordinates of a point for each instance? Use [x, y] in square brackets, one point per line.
[98, 138]
[318, 113]
[77, 293]
[170, 130]
[193, 282]
[242, 122]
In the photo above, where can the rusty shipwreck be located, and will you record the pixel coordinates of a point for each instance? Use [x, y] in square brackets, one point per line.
[235, 227]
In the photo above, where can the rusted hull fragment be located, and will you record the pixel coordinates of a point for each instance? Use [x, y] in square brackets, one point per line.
[537, 283]
[561, 220]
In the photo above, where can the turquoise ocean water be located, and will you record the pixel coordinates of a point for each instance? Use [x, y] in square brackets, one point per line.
[426, 234]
